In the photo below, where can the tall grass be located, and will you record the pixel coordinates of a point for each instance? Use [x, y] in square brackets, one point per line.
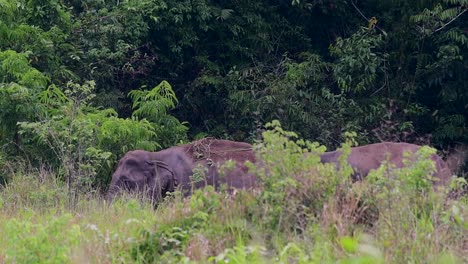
[302, 212]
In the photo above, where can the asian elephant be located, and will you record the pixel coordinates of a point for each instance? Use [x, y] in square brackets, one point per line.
[365, 158]
[186, 166]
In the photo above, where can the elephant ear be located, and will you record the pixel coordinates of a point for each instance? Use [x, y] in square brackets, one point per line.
[162, 176]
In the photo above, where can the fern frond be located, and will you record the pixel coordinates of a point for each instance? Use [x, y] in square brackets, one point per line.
[448, 13]
[456, 35]
[457, 2]
[154, 103]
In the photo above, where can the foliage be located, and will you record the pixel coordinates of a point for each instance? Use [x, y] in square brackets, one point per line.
[384, 70]
[19, 91]
[387, 218]
[86, 141]
[191, 223]
[241, 254]
[153, 106]
[358, 64]
[30, 242]
[235, 66]
[294, 92]
[399, 218]
[39, 189]
[40, 29]
[112, 46]
[290, 189]
[443, 68]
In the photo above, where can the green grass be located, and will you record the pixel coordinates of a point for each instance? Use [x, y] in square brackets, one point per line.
[303, 212]
[217, 227]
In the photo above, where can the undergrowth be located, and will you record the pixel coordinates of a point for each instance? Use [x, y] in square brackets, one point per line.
[302, 212]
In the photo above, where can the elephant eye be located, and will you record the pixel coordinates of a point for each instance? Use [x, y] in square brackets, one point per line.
[131, 162]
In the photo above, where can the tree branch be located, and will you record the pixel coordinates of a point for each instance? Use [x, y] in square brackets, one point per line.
[367, 19]
[359, 11]
[453, 19]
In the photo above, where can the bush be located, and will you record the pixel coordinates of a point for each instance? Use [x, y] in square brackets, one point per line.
[35, 190]
[84, 142]
[50, 241]
[295, 185]
[302, 212]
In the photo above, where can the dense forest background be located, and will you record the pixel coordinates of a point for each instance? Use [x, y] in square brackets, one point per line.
[82, 82]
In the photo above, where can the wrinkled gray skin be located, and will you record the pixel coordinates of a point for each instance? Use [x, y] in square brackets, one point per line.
[155, 174]
[365, 158]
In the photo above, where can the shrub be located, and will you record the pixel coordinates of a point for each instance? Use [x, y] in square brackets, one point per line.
[35, 190]
[84, 142]
[49, 241]
[295, 185]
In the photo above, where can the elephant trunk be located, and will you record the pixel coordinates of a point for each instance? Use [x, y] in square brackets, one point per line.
[156, 189]
[112, 193]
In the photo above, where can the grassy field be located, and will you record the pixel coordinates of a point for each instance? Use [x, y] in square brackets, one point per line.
[303, 212]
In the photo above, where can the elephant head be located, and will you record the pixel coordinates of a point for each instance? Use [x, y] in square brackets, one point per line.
[139, 172]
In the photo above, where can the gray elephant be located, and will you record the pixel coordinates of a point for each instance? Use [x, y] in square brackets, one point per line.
[365, 158]
[200, 163]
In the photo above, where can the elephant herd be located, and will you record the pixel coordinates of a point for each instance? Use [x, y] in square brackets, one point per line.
[200, 163]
